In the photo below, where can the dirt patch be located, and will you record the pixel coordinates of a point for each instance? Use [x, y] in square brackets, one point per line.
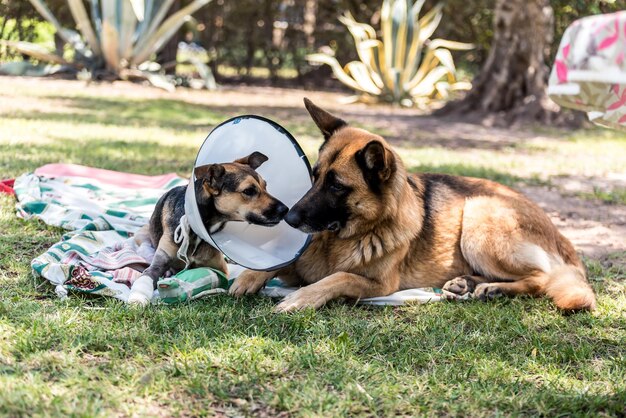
[588, 184]
[596, 228]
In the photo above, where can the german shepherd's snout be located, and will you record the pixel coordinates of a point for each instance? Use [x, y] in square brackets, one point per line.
[316, 212]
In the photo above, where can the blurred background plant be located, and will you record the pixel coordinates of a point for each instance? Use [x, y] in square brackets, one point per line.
[265, 42]
[405, 66]
[116, 39]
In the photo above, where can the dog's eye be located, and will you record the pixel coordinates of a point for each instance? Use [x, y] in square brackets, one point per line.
[250, 191]
[337, 188]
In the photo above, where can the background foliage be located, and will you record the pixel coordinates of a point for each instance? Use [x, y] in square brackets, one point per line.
[266, 40]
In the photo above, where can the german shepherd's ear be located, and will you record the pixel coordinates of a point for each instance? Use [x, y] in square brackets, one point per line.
[212, 177]
[327, 123]
[254, 160]
[376, 162]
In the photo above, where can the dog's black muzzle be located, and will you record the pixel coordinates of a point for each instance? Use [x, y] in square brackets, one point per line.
[271, 216]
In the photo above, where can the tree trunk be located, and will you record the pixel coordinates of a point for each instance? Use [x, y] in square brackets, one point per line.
[309, 20]
[511, 87]
[167, 55]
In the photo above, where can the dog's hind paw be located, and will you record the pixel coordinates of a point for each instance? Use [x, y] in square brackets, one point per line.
[459, 288]
[487, 291]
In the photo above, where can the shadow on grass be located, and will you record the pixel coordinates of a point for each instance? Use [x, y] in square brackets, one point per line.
[477, 171]
[165, 113]
[134, 156]
[398, 129]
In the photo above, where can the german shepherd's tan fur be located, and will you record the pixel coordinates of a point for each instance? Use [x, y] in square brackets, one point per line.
[378, 230]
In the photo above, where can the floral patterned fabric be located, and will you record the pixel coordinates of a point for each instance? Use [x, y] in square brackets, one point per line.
[102, 209]
[589, 71]
[71, 196]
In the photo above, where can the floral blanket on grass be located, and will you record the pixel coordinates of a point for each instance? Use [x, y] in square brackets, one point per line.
[97, 259]
[72, 196]
[103, 209]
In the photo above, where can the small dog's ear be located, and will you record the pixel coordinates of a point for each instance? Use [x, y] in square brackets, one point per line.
[212, 177]
[376, 162]
[327, 123]
[254, 160]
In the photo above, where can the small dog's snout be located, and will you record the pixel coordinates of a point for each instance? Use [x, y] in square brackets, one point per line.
[282, 210]
[294, 218]
[275, 213]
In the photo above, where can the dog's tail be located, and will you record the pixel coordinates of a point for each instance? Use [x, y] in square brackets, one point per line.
[569, 289]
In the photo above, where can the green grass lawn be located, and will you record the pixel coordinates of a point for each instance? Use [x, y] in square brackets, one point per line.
[96, 357]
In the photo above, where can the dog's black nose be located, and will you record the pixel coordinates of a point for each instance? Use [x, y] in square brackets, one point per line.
[294, 218]
[281, 210]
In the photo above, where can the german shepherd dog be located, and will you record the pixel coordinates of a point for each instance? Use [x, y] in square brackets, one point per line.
[378, 230]
[224, 192]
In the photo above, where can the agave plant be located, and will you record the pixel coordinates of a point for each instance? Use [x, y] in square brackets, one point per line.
[116, 38]
[404, 66]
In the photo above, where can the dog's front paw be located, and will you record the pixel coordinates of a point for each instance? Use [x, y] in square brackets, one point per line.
[141, 291]
[248, 282]
[306, 297]
[487, 291]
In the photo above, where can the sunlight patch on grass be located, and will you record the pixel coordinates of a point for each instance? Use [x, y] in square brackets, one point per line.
[609, 196]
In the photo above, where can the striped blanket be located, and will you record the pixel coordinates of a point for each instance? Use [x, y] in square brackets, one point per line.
[102, 210]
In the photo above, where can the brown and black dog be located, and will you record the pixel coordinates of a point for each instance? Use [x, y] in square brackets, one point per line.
[378, 230]
[224, 192]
